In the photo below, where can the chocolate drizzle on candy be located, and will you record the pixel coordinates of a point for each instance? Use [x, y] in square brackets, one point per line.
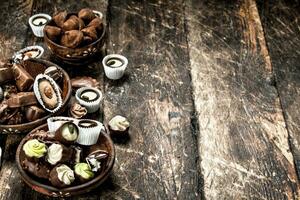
[47, 93]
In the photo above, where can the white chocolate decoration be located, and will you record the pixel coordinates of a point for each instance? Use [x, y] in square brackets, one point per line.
[119, 123]
[89, 95]
[39, 21]
[114, 62]
[54, 154]
[65, 174]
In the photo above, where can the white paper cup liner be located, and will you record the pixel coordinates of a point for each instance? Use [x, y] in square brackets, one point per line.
[91, 106]
[18, 56]
[114, 73]
[38, 30]
[89, 135]
[54, 123]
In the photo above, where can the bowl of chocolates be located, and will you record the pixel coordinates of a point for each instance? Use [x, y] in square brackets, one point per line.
[31, 91]
[66, 156]
[75, 37]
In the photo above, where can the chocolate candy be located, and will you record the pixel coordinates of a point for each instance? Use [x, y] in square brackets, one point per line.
[72, 38]
[77, 111]
[60, 18]
[67, 133]
[61, 176]
[33, 113]
[21, 99]
[53, 32]
[6, 74]
[86, 14]
[55, 73]
[24, 80]
[38, 169]
[58, 153]
[95, 158]
[16, 118]
[9, 90]
[84, 81]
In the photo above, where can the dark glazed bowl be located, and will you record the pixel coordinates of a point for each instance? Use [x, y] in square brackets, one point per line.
[66, 96]
[78, 55]
[42, 186]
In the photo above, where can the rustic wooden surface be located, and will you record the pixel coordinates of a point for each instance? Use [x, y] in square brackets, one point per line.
[212, 93]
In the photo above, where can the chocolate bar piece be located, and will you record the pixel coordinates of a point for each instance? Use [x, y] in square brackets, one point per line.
[24, 80]
[21, 99]
[6, 74]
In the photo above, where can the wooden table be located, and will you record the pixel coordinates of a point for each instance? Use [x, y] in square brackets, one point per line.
[212, 93]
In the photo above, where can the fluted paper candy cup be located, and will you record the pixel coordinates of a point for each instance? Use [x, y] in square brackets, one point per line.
[114, 66]
[37, 23]
[89, 131]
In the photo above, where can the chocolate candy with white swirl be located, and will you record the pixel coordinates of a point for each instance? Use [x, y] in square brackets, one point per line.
[58, 153]
[61, 176]
[118, 126]
[83, 172]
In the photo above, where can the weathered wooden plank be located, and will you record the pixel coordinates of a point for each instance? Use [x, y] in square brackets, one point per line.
[243, 141]
[281, 22]
[160, 159]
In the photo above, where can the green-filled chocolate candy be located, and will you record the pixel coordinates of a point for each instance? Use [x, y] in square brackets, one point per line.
[84, 171]
[34, 148]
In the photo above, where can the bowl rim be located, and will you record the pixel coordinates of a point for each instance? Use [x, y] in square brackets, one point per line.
[66, 100]
[78, 189]
[77, 48]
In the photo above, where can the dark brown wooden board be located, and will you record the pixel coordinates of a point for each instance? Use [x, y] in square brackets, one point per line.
[281, 22]
[243, 142]
[160, 160]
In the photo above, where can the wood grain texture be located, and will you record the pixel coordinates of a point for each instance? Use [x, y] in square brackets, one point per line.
[281, 22]
[160, 159]
[243, 142]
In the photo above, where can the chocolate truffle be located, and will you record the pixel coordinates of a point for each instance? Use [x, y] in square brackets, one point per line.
[60, 18]
[118, 126]
[34, 149]
[62, 176]
[72, 38]
[77, 111]
[53, 32]
[84, 172]
[6, 74]
[58, 153]
[86, 14]
[73, 23]
[90, 32]
[95, 158]
[97, 23]
[33, 113]
[36, 168]
[67, 133]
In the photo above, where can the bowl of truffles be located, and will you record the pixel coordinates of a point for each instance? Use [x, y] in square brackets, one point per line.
[75, 37]
[31, 91]
[66, 156]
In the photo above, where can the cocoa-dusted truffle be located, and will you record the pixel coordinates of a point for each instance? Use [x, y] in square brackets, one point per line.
[97, 23]
[73, 23]
[62, 176]
[91, 32]
[72, 38]
[86, 14]
[77, 111]
[58, 153]
[53, 32]
[60, 18]
[38, 169]
[67, 133]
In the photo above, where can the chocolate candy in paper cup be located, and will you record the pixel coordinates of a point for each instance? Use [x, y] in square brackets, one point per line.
[37, 23]
[114, 66]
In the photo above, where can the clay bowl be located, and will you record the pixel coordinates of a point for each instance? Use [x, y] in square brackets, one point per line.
[44, 187]
[66, 96]
[76, 56]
